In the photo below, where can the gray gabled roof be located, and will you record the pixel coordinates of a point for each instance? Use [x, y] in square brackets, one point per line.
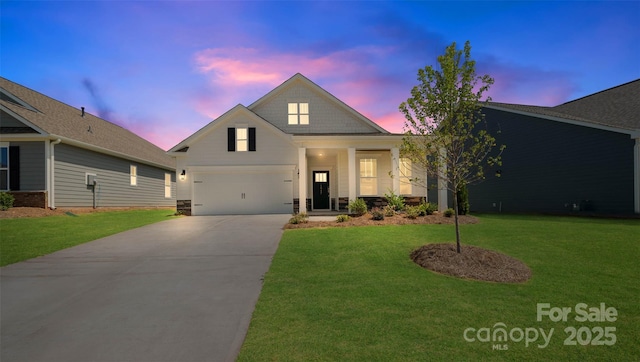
[57, 119]
[616, 108]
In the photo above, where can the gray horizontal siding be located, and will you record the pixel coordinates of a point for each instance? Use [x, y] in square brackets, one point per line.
[550, 166]
[113, 189]
[32, 165]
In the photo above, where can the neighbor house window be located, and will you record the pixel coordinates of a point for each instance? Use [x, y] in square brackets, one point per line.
[4, 168]
[133, 171]
[368, 176]
[405, 176]
[298, 113]
[241, 139]
[167, 185]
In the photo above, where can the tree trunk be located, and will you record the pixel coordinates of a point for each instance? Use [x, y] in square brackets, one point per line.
[455, 208]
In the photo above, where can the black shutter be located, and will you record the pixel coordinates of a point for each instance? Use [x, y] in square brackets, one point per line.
[14, 168]
[252, 139]
[231, 139]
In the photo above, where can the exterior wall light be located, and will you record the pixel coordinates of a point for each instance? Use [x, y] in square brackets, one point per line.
[183, 175]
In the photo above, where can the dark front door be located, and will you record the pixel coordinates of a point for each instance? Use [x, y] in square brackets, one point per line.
[321, 190]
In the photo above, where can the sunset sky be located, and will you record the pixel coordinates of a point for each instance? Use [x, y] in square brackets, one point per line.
[166, 69]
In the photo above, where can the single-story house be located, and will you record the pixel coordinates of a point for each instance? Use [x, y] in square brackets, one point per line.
[582, 156]
[54, 155]
[296, 149]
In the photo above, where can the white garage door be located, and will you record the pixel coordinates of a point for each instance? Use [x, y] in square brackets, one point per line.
[242, 193]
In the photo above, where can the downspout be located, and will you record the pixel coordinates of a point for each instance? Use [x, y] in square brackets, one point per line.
[52, 199]
[636, 176]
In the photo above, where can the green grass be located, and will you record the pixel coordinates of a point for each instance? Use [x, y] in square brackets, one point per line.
[26, 238]
[353, 294]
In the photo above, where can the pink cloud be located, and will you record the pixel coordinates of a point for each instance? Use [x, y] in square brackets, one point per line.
[362, 77]
[242, 75]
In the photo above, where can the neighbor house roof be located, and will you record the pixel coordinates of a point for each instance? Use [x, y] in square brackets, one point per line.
[55, 119]
[615, 108]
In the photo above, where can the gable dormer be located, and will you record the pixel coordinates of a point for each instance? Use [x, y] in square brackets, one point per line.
[8, 97]
[299, 106]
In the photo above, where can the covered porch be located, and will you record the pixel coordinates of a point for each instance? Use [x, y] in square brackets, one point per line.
[332, 173]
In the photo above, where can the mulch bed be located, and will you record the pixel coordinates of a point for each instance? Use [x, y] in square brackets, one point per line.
[472, 263]
[20, 212]
[366, 220]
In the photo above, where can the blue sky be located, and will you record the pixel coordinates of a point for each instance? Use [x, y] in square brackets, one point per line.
[166, 69]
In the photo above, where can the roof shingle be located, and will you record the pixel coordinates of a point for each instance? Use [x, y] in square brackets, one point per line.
[62, 120]
[617, 107]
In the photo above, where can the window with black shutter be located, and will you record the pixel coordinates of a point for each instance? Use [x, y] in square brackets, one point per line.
[231, 139]
[14, 168]
[241, 139]
[252, 139]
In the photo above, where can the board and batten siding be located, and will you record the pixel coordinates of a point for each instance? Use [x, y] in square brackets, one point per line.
[114, 187]
[556, 167]
[325, 116]
[32, 165]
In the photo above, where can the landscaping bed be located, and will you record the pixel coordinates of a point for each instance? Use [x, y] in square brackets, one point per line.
[20, 212]
[471, 263]
[399, 219]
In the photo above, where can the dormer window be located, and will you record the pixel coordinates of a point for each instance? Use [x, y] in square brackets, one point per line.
[298, 113]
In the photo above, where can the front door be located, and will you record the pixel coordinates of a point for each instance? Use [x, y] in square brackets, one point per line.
[321, 190]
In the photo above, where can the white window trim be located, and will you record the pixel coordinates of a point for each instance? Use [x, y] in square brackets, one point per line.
[133, 175]
[6, 145]
[167, 185]
[298, 114]
[374, 178]
[405, 179]
[246, 139]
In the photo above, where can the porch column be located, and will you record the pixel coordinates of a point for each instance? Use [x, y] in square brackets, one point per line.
[425, 174]
[395, 170]
[636, 176]
[351, 152]
[443, 203]
[302, 179]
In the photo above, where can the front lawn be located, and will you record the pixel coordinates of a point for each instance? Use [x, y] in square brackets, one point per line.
[353, 294]
[26, 238]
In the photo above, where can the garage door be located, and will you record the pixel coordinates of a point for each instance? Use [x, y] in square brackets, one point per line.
[242, 193]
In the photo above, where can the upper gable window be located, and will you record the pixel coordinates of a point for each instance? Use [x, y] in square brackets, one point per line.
[298, 113]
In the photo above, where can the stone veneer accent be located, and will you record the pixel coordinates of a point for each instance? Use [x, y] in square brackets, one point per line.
[184, 207]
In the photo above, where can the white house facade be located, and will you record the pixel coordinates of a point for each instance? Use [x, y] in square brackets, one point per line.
[296, 149]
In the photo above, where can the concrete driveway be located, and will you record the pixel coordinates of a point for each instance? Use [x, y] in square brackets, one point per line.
[179, 290]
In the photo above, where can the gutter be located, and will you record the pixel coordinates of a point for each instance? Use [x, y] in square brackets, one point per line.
[102, 150]
[52, 170]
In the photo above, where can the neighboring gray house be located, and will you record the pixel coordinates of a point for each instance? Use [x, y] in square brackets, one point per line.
[298, 142]
[54, 155]
[582, 156]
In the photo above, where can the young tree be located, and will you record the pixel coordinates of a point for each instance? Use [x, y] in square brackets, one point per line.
[442, 116]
